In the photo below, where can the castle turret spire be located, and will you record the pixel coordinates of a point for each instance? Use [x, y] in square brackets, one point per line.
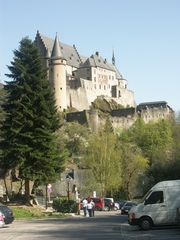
[113, 58]
[56, 51]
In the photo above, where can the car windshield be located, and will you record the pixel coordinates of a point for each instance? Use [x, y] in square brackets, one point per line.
[146, 196]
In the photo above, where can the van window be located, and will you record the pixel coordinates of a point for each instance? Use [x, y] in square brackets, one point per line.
[155, 197]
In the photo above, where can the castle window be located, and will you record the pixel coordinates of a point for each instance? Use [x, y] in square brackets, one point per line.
[109, 76]
[94, 70]
[112, 77]
[99, 86]
[95, 79]
[94, 86]
[119, 93]
[104, 87]
[61, 88]
[62, 61]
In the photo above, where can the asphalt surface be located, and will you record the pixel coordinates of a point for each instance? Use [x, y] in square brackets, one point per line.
[105, 226]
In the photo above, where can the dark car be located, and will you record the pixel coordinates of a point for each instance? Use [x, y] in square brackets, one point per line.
[120, 203]
[127, 206]
[8, 213]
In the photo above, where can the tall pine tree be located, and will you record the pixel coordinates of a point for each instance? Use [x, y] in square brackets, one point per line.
[29, 143]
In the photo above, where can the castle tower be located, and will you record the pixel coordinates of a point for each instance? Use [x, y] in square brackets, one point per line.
[57, 75]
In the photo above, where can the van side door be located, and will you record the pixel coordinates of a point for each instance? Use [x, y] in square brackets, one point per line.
[157, 208]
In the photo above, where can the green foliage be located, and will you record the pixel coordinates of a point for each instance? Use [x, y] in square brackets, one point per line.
[27, 212]
[64, 205]
[133, 164]
[29, 142]
[103, 158]
[151, 137]
[73, 138]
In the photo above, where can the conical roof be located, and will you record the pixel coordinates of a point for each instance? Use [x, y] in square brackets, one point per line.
[56, 51]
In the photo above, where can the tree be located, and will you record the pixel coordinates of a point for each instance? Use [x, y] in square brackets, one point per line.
[29, 143]
[103, 158]
[151, 137]
[73, 138]
[133, 166]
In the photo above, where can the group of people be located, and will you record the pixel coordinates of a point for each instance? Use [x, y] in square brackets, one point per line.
[88, 207]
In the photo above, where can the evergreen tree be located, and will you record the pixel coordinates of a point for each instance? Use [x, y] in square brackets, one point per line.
[29, 143]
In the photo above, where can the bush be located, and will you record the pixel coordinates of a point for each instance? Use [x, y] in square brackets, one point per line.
[64, 205]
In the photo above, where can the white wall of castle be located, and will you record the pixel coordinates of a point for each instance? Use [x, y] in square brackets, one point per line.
[125, 97]
[154, 114]
[99, 82]
[57, 76]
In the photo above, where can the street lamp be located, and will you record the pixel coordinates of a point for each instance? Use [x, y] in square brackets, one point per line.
[68, 179]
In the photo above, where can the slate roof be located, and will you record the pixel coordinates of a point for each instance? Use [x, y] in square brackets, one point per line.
[68, 52]
[73, 58]
[157, 104]
[97, 61]
[56, 51]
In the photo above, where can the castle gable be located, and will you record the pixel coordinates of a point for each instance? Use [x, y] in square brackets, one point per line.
[69, 53]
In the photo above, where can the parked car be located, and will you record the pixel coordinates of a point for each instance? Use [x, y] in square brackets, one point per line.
[120, 203]
[109, 204]
[98, 201]
[8, 213]
[127, 206]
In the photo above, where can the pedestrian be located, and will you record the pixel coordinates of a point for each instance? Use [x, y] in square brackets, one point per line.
[89, 208]
[1, 220]
[84, 205]
[93, 207]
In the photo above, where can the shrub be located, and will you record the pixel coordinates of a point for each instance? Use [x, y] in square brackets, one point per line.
[64, 205]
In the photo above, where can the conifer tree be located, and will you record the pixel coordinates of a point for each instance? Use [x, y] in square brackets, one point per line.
[29, 143]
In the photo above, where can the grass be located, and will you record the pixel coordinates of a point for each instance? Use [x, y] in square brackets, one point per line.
[25, 212]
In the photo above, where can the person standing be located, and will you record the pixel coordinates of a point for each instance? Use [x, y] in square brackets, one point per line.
[93, 207]
[84, 205]
[89, 208]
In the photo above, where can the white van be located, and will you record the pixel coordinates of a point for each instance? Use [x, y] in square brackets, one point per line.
[159, 207]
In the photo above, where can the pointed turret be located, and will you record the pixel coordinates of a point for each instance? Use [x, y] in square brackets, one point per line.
[56, 51]
[113, 58]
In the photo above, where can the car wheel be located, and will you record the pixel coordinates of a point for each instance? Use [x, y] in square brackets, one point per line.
[98, 209]
[106, 208]
[145, 223]
[115, 208]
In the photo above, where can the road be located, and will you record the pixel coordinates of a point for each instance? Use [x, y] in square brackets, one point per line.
[105, 226]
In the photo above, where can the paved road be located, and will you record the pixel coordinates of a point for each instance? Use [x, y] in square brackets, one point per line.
[105, 226]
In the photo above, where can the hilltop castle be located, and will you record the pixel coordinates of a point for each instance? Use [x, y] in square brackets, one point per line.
[78, 81]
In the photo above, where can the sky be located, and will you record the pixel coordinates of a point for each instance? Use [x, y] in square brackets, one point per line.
[144, 34]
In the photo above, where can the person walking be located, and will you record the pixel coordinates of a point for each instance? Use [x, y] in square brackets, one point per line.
[84, 205]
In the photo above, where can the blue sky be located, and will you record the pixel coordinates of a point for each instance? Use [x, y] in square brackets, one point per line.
[145, 36]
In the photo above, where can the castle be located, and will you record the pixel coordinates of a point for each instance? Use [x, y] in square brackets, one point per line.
[78, 81]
